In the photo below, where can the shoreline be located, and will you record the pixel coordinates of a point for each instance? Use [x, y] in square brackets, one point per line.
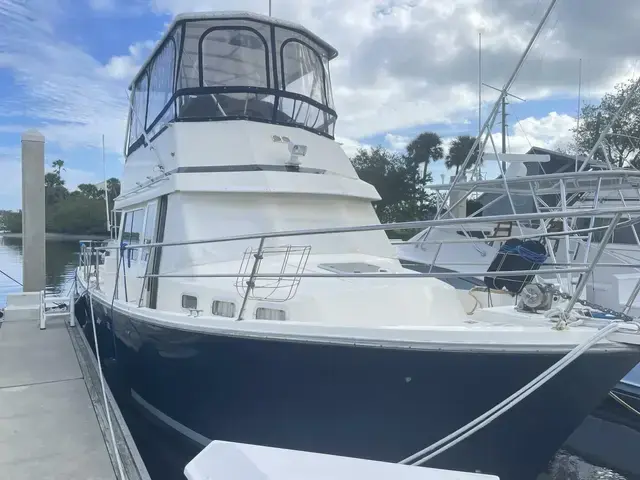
[60, 236]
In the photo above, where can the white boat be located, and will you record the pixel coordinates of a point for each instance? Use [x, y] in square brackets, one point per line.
[242, 304]
[614, 280]
[254, 462]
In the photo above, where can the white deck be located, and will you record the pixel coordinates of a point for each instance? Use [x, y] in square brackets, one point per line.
[48, 427]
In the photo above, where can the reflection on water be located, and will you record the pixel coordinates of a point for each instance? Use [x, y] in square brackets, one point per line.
[61, 258]
[160, 453]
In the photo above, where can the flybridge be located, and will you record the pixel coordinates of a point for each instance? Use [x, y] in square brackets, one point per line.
[219, 67]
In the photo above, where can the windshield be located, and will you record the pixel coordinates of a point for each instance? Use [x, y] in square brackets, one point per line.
[226, 69]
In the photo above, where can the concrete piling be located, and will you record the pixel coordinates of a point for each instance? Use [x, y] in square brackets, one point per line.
[33, 212]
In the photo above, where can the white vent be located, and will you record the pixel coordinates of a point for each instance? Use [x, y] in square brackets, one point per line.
[223, 309]
[263, 313]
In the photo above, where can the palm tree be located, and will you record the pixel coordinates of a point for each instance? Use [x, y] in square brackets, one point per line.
[424, 148]
[58, 166]
[458, 151]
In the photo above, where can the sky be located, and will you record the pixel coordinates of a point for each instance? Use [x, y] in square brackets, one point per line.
[404, 66]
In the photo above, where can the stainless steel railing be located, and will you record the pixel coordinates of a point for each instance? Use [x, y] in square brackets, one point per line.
[90, 257]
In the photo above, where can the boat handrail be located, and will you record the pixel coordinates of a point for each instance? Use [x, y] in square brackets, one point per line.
[536, 234]
[412, 225]
[547, 269]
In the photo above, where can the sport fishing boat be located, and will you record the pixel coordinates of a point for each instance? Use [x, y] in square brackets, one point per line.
[615, 280]
[253, 296]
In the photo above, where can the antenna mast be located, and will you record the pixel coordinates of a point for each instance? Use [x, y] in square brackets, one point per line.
[479, 84]
[106, 190]
[579, 101]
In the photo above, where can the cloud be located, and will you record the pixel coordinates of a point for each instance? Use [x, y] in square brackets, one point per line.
[397, 142]
[124, 67]
[350, 146]
[407, 63]
[11, 192]
[552, 131]
[404, 65]
[65, 92]
[102, 5]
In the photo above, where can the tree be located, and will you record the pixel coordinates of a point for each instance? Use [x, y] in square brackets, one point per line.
[458, 151]
[77, 215]
[623, 141]
[79, 212]
[11, 221]
[54, 189]
[397, 179]
[425, 148]
[91, 191]
[113, 188]
[58, 166]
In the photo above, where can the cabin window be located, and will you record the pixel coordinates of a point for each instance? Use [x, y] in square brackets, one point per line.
[233, 56]
[230, 69]
[132, 233]
[190, 302]
[161, 86]
[149, 229]
[302, 71]
[138, 110]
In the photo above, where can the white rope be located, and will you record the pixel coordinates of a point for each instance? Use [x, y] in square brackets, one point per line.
[504, 406]
[104, 390]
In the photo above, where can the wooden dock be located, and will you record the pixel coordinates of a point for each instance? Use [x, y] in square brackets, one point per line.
[53, 420]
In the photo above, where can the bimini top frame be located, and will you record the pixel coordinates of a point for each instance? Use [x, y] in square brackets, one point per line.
[551, 183]
[232, 15]
[230, 66]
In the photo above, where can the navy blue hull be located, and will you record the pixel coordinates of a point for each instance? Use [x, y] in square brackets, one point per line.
[375, 403]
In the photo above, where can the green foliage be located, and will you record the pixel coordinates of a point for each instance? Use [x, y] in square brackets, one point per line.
[623, 141]
[113, 188]
[458, 151]
[58, 165]
[90, 191]
[11, 221]
[423, 149]
[398, 181]
[79, 212]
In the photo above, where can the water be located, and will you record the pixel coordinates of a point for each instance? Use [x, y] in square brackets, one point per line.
[61, 259]
[160, 452]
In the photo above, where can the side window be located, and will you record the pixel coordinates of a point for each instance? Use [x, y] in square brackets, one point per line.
[126, 228]
[303, 71]
[161, 84]
[137, 222]
[149, 229]
[138, 110]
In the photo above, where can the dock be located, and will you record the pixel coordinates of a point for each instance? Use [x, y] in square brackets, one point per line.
[53, 419]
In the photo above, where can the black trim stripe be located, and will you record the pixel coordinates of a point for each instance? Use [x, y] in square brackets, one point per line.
[246, 168]
[255, 90]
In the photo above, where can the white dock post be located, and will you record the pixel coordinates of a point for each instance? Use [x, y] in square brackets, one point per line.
[33, 212]
[72, 308]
